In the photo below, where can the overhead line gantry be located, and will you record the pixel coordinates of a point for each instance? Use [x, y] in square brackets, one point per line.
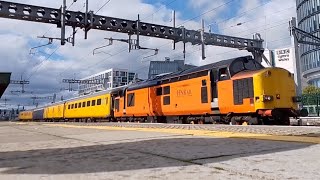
[88, 20]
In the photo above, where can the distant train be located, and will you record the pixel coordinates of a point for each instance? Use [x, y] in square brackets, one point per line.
[236, 91]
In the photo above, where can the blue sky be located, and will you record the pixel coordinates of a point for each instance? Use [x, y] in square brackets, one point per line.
[230, 10]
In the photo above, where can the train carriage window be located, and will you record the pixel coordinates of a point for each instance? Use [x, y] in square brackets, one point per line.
[79, 105]
[76, 105]
[166, 100]
[159, 91]
[93, 103]
[166, 90]
[204, 82]
[83, 104]
[72, 106]
[99, 102]
[130, 100]
[88, 103]
[69, 106]
[116, 104]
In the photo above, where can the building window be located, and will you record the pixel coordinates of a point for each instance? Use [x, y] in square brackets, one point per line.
[130, 100]
[99, 102]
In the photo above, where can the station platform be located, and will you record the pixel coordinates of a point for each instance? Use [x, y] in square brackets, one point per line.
[129, 151]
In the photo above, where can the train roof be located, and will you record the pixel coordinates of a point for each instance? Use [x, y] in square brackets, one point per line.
[80, 97]
[157, 80]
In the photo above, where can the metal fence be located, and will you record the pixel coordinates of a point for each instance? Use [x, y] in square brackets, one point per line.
[311, 103]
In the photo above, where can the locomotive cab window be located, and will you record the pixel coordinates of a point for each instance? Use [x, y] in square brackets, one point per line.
[223, 74]
[166, 90]
[244, 64]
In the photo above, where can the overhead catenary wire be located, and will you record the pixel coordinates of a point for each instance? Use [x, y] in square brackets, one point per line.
[112, 56]
[241, 15]
[49, 29]
[211, 10]
[208, 57]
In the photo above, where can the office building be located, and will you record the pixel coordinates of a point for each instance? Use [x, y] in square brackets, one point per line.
[309, 20]
[167, 66]
[107, 79]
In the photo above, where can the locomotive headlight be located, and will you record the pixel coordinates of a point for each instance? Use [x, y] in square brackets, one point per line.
[267, 98]
[267, 74]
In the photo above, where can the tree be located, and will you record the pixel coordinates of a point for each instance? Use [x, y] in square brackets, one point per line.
[310, 89]
[310, 95]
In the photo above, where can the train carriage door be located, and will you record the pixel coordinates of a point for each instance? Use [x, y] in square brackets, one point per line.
[214, 89]
[124, 95]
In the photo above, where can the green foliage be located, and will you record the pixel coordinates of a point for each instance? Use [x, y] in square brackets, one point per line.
[310, 95]
[311, 90]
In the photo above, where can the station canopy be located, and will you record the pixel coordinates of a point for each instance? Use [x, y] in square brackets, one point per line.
[4, 82]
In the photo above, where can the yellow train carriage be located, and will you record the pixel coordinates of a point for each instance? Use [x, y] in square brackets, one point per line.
[54, 111]
[25, 115]
[96, 106]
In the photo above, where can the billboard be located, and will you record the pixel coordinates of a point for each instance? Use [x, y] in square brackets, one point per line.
[284, 58]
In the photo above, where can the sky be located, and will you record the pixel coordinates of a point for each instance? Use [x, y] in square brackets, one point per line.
[45, 67]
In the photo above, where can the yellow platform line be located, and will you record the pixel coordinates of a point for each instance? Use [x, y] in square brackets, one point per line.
[223, 134]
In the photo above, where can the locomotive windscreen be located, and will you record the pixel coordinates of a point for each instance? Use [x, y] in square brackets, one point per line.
[244, 64]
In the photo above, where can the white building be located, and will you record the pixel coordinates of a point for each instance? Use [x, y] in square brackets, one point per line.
[109, 79]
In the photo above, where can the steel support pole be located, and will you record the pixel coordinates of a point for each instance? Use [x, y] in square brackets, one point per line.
[296, 62]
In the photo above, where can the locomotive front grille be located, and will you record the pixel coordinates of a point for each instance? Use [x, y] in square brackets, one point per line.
[242, 88]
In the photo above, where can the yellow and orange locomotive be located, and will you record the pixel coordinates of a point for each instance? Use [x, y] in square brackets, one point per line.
[238, 90]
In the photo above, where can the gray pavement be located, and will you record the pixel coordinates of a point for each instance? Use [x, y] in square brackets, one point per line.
[35, 151]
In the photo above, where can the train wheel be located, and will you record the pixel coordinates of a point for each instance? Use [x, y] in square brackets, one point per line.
[233, 121]
[285, 120]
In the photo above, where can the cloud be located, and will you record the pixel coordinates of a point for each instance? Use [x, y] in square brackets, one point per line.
[46, 74]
